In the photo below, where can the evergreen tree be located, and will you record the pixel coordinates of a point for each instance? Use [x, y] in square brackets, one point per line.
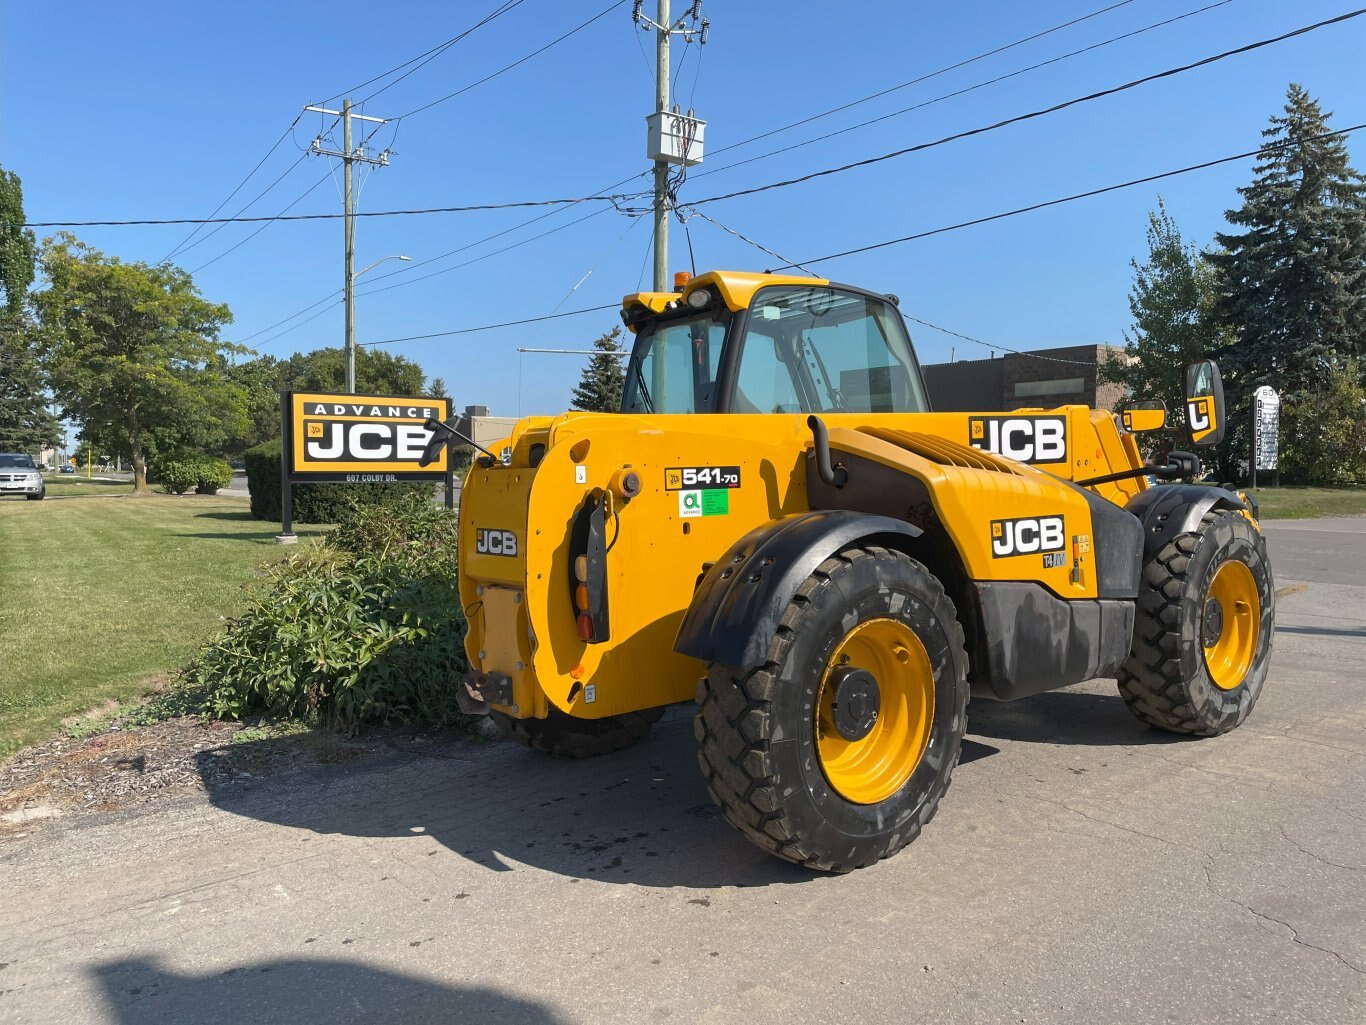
[1172, 303]
[599, 389]
[26, 425]
[1293, 282]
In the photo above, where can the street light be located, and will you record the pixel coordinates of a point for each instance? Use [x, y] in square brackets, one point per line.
[351, 321]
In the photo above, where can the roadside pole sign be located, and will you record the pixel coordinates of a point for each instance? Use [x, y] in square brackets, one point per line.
[1266, 430]
[356, 439]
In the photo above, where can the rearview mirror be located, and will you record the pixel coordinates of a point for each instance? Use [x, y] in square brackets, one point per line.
[1204, 403]
[1144, 415]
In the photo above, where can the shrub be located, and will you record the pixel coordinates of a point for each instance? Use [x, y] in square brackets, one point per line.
[365, 626]
[177, 473]
[313, 503]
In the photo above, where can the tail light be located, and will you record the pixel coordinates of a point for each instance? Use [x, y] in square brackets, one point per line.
[588, 569]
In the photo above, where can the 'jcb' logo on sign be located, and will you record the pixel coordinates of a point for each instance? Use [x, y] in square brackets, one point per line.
[349, 441]
[1026, 439]
[1027, 535]
[495, 542]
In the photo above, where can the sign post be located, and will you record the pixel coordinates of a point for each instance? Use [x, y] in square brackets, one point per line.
[356, 439]
[1266, 428]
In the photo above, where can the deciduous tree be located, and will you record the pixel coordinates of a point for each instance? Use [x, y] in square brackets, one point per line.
[134, 352]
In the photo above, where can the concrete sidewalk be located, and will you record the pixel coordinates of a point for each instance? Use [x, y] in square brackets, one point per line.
[1082, 869]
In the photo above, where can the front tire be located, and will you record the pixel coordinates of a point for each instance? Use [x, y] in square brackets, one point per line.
[829, 787]
[1202, 636]
[567, 736]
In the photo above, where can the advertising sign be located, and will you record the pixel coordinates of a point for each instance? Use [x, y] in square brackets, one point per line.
[1266, 426]
[360, 439]
[356, 439]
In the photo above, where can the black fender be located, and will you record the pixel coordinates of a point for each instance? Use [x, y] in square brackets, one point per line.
[1166, 510]
[741, 598]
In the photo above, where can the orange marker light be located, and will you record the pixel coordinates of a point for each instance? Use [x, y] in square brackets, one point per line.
[681, 279]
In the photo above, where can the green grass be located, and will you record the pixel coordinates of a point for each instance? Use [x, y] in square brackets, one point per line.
[101, 600]
[1299, 503]
[68, 485]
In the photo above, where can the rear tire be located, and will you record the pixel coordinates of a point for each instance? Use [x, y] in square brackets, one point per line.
[766, 732]
[1173, 679]
[567, 736]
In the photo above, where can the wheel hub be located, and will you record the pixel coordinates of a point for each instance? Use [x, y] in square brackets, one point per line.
[1213, 627]
[856, 703]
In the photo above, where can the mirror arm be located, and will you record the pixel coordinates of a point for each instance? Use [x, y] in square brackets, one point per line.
[1181, 464]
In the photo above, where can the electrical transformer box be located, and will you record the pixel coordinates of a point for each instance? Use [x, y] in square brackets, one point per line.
[675, 138]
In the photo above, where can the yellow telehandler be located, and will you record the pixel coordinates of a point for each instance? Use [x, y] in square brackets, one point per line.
[778, 526]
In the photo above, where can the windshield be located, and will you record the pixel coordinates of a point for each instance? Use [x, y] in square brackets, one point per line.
[823, 350]
[16, 460]
[673, 366]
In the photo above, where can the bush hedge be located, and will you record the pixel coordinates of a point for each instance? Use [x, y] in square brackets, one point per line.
[314, 503]
[179, 473]
[366, 626]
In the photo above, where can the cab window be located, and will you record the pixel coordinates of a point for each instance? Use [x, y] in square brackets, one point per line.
[673, 366]
[824, 350]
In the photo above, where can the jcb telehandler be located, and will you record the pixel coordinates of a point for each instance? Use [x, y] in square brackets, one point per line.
[777, 524]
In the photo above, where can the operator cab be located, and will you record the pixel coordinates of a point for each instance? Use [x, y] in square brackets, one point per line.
[730, 342]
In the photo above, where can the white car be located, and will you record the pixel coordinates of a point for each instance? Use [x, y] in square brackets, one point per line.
[19, 475]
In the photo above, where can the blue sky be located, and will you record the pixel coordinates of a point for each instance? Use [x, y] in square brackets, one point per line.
[158, 109]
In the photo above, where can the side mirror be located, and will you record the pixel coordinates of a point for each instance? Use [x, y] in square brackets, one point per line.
[1144, 415]
[1204, 403]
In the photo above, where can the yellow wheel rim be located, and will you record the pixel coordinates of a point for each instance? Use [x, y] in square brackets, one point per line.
[1230, 623]
[874, 767]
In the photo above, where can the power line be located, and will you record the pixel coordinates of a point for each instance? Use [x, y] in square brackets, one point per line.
[993, 345]
[924, 78]
[1170, 72]
[435, 51]
[307, 192]
[963, 91]
[434, 54]
[183, 249]
[408, 268]
[503, 70]
[283, 135]
[1259, 152]
[328, 217]
[492, 327]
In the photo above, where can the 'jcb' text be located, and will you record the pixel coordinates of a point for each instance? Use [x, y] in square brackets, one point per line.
[334, 441]
[1026, 439]
[1027, 535]
[495, 542]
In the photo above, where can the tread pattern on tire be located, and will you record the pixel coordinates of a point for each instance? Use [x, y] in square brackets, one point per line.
[732, 723]
[566, 736]
[1151, 679]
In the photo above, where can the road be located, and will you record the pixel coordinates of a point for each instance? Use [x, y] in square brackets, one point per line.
[1081, 870]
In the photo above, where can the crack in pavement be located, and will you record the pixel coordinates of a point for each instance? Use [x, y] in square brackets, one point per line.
[1305, 851]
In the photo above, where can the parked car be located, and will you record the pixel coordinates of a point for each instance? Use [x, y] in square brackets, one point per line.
[19, 475]
[66, 468]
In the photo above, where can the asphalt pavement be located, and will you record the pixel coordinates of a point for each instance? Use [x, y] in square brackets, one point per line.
[1082, 869]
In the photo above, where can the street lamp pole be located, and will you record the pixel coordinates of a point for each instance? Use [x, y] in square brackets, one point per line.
[351, 321]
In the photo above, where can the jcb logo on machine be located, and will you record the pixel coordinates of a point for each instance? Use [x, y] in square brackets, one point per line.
[1027, 535]
[495, 542]
[1026, 439]
[1200, 413]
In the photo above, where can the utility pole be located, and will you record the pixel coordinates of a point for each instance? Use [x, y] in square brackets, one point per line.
[350, 155]
[664, 41]
[679, 141]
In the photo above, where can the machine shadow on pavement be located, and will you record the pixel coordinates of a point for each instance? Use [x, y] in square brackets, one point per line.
[1064, 717]
[301, 992]
[638, 816]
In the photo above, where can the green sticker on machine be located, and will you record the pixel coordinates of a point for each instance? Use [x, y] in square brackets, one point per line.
[708, 502]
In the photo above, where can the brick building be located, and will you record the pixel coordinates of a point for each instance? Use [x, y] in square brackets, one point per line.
[1045, 378]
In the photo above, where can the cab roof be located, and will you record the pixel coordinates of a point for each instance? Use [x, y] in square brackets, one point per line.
[735, 287]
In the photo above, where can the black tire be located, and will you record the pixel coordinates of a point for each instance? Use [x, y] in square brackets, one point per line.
[1166, 681]
[756, 725]
[566, 736]
[38, 497]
